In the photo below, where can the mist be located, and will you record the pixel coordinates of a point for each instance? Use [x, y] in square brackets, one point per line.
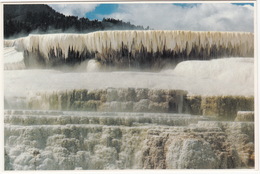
[131, 50]
[75, 99]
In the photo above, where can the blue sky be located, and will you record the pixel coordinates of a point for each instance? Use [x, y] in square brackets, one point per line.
[168, 16]
[106, 9]
[102, 9]
[243, 4]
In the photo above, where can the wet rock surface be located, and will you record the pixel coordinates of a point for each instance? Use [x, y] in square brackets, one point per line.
[245, 116]
[141, 100]
[39, 140]
[158, 105]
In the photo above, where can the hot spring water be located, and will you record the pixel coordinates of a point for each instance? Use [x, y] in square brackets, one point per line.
[129, 100]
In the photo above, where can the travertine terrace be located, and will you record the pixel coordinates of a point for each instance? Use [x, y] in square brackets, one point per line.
[130, 100]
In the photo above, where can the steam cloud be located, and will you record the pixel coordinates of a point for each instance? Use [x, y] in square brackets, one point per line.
[201, 17]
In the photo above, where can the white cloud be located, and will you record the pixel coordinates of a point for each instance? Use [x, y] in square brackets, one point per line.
[74, 9]
[202, 17]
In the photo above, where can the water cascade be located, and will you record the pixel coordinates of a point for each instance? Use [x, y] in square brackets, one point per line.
[40, 140]
[94, 101]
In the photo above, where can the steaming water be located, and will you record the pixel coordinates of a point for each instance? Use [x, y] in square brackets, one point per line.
[13, 59]
[231, 76]
[40, 140]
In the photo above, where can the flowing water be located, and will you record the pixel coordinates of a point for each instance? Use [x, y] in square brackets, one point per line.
[129, 100]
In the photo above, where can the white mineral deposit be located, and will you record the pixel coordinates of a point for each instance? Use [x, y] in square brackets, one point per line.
[129, 100]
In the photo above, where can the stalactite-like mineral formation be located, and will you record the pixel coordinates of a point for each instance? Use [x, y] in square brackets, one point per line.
[195, 114]
[138, 49]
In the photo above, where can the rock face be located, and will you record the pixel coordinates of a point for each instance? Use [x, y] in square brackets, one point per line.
[141, 100]
[111, 99]
[224, 107]
[40, 140]
[201, 146]
[245, 116]
[190, 153]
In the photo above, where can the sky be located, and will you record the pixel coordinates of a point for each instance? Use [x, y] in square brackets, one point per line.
[168, 16]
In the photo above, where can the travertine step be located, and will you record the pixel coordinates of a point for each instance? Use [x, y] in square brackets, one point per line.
[54, 140]
[102, 118]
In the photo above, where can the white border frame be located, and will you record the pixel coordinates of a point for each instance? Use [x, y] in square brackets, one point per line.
[170, 171]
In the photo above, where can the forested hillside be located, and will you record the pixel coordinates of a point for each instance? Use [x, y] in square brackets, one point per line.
[21, 20]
